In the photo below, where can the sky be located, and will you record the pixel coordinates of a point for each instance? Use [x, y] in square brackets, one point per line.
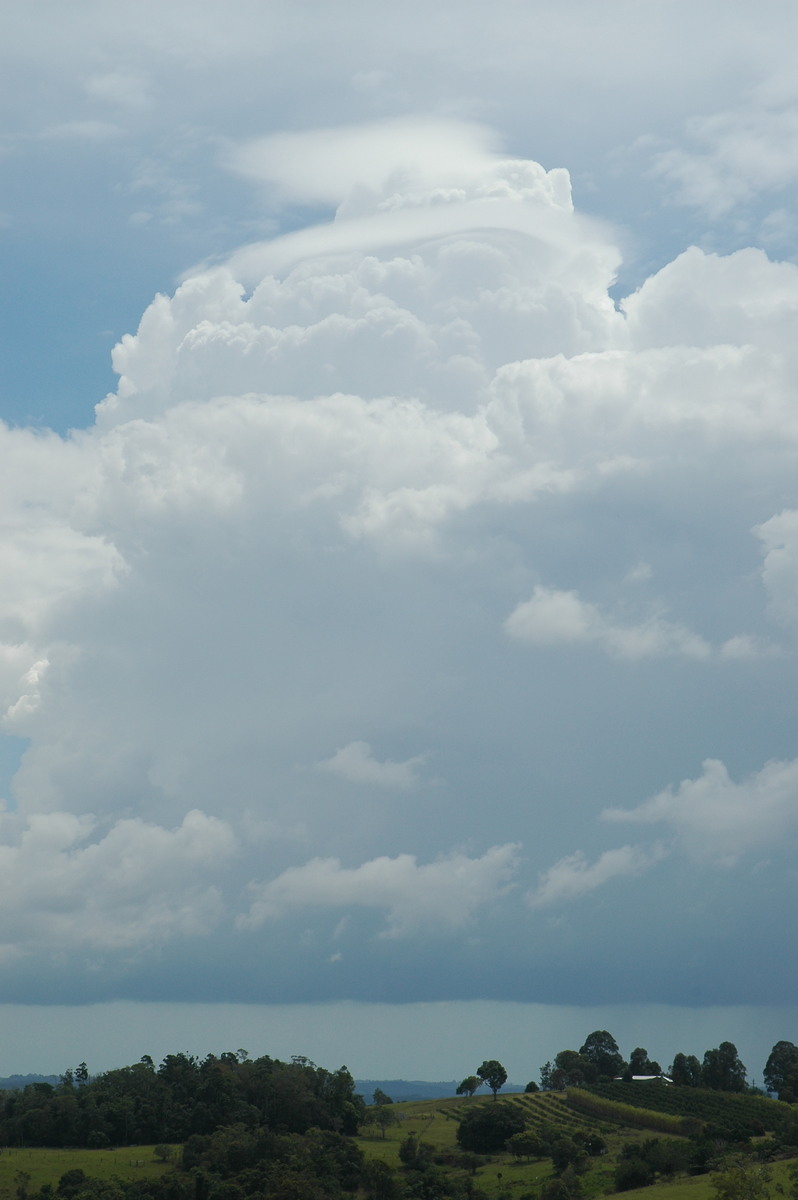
[399, 530]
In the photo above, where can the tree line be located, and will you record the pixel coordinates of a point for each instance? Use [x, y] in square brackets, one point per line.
[599, 1059]
[184, 1096]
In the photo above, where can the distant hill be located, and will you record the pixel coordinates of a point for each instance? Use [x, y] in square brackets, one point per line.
[419, 1089]
[11, 1082]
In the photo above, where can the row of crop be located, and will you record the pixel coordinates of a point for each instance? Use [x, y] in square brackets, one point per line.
[628, 1114]
[542, 1114]
[719, 1108]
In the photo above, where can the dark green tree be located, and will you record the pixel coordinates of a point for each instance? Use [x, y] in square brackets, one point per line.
[632, 1173]
[572, 1069]
[641, 1064]
[71, 1182]
[722, 1069]
[493, 1074]
[469, 1085]
[415, 1154]
[781, 1071]
[601, 1049]
[686, 1070]
[565, 1153]
[526, 1145]
[379, 1181]
[485, 1128]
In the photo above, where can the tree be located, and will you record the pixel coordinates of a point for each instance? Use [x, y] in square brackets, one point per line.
[469, 1085]
[546, 1073]
[531, 1088]
[381, 1115]
[493, 1074]
[379, 1181]
[686, 1070]
[601, 1049]
[571, 1069]
[566, 1153]
[526, 1145]
[380, 1097]
[641, 1064]
[71, 1182]
[416, 1154]
[563, 1187]
[722, 1069]
[781, 1071]
[486, 1127]
[745, 1181]
[632, 1173]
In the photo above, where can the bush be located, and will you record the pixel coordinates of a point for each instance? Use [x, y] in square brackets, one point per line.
[485, 1130]
[415, 1154]
[526, 1145]
[71, 1182]
[632, 1173]
[565, 1153]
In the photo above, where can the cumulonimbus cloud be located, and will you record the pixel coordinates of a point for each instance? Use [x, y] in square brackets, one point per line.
[332, 466]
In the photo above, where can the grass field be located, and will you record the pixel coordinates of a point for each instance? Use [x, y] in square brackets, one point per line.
[47, 1166]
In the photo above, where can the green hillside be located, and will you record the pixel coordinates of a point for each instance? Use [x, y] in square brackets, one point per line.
[679, 1130]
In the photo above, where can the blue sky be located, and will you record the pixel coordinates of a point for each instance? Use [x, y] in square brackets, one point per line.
[400, 528]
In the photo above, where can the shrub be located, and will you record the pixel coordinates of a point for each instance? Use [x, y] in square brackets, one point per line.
[632, 1173]
[486, 1129]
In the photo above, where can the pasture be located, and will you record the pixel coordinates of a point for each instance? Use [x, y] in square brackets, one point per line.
[47, 1166]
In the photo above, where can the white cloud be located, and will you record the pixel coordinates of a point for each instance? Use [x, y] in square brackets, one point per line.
[716, 818]
[324, 165]
[573, 876]
[734, 155]
[556, 618]
[445, 893]
[356, 763]
[134, 887]
[708, 300]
